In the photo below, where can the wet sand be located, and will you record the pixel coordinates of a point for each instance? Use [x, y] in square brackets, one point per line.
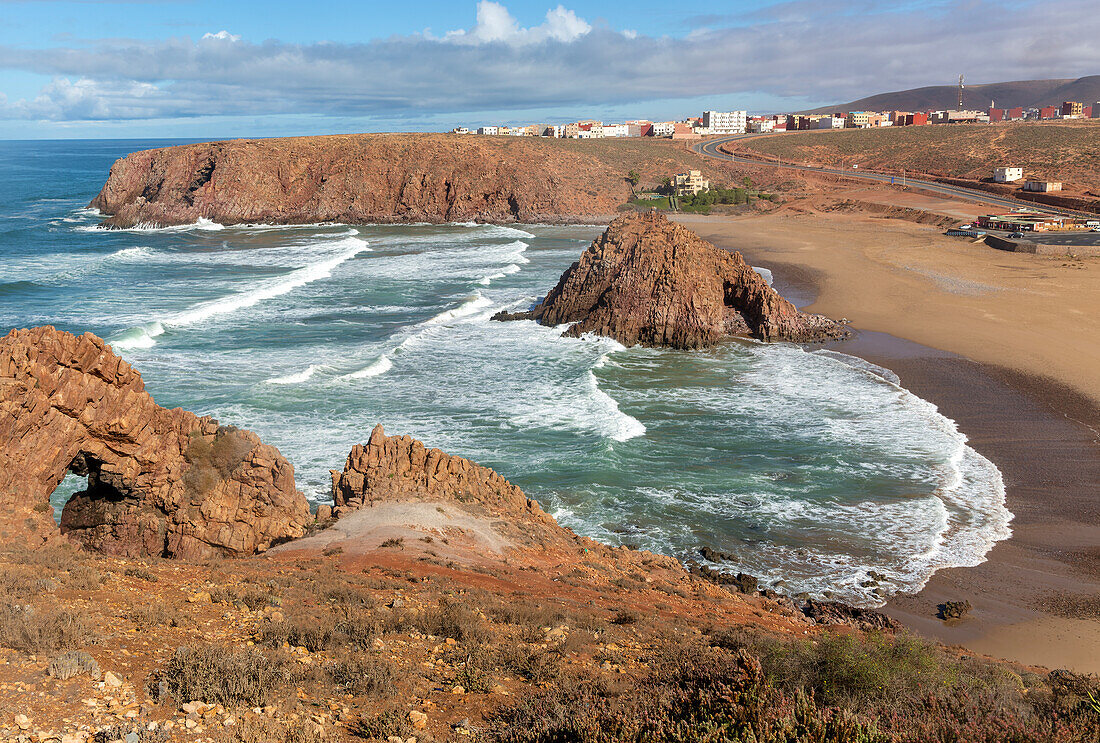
[1036, 599]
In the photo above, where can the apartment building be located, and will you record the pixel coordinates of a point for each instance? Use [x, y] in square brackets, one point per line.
[616, 130]
[573, 131]
[725, 122]
[857, 119]
[690, 182]
[490, 130]
[663, 128]
[1072, 109]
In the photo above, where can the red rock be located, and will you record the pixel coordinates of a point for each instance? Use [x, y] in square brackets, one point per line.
[653, 282]
[161, 482]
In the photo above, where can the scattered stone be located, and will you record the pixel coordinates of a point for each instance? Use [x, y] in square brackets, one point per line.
[112, 680]
[202, 597]
[22, 722]
[418, 719]
[458, 690]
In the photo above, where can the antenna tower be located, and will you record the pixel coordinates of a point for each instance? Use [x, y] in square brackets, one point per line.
[960, 108]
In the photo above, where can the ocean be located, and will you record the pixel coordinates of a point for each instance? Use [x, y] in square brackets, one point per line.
[809, 468]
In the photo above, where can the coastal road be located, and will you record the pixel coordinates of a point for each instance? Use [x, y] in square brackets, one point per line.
[710, 149]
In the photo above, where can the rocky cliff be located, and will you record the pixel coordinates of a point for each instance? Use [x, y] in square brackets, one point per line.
[650, 281]
[160, 482]
[384, 178]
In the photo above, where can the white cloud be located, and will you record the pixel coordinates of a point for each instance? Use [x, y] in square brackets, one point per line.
[496, 25]
[498, 65]
[221, 36]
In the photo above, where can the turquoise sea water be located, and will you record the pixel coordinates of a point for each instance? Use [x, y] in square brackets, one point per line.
[809, 467]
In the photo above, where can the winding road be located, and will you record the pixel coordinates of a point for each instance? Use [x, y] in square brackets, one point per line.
[711, 149]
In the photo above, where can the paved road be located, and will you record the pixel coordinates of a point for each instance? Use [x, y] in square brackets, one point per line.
[1066, 238]
[710, 149]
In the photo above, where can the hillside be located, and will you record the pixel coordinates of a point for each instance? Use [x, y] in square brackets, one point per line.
[1026, 93]
[1064, 152]
[388, 178]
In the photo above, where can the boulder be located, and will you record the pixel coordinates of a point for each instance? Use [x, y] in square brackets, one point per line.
[653, 282]
[160, 482]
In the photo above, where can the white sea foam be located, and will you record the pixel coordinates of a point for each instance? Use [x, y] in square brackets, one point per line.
[380, 366]
[765, 273]
[297, 378]
[130, 254]
[511, 268]
[471, 305]
[201, 224]
[143, 336]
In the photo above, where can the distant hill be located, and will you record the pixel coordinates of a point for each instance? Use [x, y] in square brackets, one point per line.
[1026, 93]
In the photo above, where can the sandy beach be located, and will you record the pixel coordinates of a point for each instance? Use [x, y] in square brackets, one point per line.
[1004, 344]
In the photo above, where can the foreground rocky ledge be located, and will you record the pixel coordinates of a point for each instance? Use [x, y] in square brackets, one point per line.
[653, 282]
[160, 482]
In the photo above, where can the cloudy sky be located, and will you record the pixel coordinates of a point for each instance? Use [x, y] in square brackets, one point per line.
[206, 68]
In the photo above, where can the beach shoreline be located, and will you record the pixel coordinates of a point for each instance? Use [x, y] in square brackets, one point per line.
[1036, 598]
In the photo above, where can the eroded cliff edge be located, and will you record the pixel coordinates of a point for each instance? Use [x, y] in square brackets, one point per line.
[367, 178]
[649, 281]
[160, 482]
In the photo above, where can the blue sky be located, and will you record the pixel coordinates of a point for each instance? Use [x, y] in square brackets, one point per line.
[193, 68]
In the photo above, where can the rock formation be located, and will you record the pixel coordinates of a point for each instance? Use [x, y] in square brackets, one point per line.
[160, 482]
[382, 178]
[402, 469]
[650, 281]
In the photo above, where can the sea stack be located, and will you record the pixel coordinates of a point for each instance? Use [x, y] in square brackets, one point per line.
[160, 482]
[649, 281]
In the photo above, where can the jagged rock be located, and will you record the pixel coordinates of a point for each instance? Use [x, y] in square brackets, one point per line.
[402, 469]
[653, 282]
[954, 609]
[833, 612]
[160, 482]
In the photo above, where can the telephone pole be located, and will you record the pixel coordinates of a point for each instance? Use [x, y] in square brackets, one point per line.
[960, 108]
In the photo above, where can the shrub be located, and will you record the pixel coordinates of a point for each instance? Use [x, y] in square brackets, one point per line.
[84, 578]
[48, 630]
[267, 730]
[531, 662]
[216, 675]
[73, 663]
[363, 674]
[141, 573]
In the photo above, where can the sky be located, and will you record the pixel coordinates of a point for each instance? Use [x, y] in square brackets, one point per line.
[202, 69]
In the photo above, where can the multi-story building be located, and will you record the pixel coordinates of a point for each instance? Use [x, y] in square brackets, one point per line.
[683, 130]
[1049, 112]
[857, 119]
[690, 182]
[1096, 110]
[573, 131]
[490, 130]
[616, 130]
[959, 117]
[639, 129]
[1072, 109]
[725, 122]
[1014, 114]
[1007, 175]
[830, 122]
[460, 130]
[762, 126]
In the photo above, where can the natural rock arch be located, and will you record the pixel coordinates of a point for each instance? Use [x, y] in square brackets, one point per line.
[160, 482]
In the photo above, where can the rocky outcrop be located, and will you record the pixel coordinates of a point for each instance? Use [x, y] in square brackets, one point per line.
[402, 469]
[653, 282]
[160, 482]
[368, 178]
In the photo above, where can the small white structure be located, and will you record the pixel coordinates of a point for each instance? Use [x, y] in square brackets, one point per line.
[1007, 175]
[1042, 186]
[460, 130]
[664, 128]
[725, 122]
[490, 130]
[616, 130]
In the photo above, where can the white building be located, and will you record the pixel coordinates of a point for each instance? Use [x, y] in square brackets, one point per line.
[1007, 175]
[490, 130]
[762, 127]
[554, 130]
[831, 122]
[725, 122]
[664, 128]
[616, 130]
[460, 130]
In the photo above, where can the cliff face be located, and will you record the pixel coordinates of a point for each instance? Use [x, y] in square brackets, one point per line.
[160, 482]
[650, 281]
[381, 178]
